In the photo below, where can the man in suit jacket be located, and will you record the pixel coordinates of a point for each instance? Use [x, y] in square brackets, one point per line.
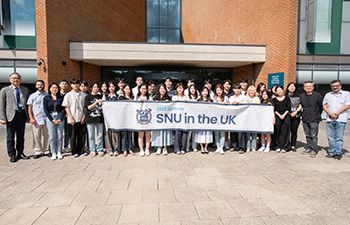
[13, 114]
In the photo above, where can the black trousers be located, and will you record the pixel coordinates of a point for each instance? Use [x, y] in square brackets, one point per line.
[16, 130]
[76, 139]
[67, 133]
[294, 125]
[282, 133]
[238, 140]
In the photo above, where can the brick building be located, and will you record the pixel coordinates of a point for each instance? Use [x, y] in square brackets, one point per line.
[199, 39]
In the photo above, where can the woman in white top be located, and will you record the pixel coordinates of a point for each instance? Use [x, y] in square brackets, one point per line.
[193, 95]
[204, 137]
[143, 95]
[251, 98]
[180, 141]
[220, 97]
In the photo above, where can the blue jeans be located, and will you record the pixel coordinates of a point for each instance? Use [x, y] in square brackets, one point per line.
[55, 136]
[219, 138]
[335, 134]
[126, 144]
[95, 146]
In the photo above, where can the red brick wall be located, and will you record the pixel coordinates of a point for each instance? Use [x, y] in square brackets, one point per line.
[264, 22]
[57, 22]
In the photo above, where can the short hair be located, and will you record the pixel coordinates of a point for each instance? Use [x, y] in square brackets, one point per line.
[74, 81]
[236, 86]
[207, 82]
[336, 81]
[139, 77]
[308, 82]
[253, 88]
[243, 80]
[84, 82]
[168, 78]
[15, 73]
[151, 82]
[64, 81]
[39, 81]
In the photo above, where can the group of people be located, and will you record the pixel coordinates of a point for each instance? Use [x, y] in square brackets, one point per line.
[62, 119]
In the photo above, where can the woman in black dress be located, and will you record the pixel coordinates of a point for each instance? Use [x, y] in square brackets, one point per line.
[282, 108]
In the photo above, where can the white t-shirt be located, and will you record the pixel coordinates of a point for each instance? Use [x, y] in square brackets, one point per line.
[75, 102]
[240, 99]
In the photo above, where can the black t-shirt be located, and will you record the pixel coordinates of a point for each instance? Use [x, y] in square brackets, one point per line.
[281, 106]
[95, 115]
[312, 107]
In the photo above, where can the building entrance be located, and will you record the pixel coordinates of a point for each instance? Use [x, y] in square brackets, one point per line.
[158, 74]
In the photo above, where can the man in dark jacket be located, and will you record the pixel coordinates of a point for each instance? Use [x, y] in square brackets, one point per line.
[311, 102]
[13, 114]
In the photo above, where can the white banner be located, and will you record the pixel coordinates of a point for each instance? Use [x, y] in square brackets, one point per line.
[152, 115]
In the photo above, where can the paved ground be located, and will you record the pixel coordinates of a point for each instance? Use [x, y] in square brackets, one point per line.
[255, 188]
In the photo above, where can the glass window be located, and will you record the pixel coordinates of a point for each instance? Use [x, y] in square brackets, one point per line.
[346, 11]
[152, 13]
[324, 77]
[344, 77]
[4, 74]
[29, 75]
[19, 17]
[162, 17]
[319, 21]
[345, 30]
[303, 76]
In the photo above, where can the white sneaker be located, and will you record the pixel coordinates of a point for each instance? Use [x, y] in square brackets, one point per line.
[283, 151]
[217, 150]
[253, 150]
[221, 151]
[261, 149]
[59, 156]
[142, 153]
[248, 150]
[165, 151]
[195, 150]
[147, 152]
[267, 149]
[111, 153]
[53, 157]
[278, 150]
[76, 155]
[183, 152]
[115, 153]
[159, 151]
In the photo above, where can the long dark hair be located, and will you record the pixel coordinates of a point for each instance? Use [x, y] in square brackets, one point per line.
[208, 96]
[165, 97]
[123, 91]
[183, 87]
[59, 89]
[268, 93]
[222, 97]
[195, 92]
[139, 92]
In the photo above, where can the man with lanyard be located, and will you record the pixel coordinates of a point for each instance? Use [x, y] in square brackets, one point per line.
[311, 102]
[13, 114]
[74, 103]
[37, 118]
[336, 104]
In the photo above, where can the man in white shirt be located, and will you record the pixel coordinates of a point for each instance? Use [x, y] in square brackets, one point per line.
[74, 102]
[135, 90]
[336, 104]
[238, 141]
[37, 118]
